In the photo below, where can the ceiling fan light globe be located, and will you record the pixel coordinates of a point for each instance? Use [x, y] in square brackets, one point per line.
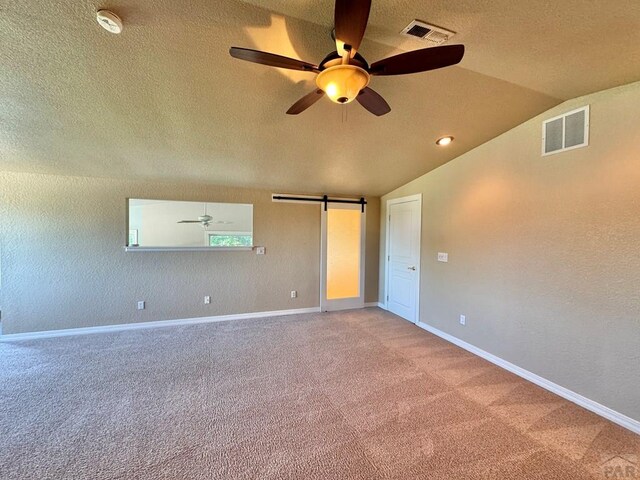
[331, 90]
[342, 83]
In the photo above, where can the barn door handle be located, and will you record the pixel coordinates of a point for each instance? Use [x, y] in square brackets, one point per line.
[412, 268]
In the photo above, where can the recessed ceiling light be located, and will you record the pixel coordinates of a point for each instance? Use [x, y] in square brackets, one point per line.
[109, 21]
[444, 141]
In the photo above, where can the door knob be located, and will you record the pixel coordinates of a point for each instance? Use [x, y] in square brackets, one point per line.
[412, 268]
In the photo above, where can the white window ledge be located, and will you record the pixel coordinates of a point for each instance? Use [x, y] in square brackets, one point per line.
[187, 249]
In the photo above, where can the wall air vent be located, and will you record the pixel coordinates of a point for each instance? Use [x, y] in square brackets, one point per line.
[428, 33]
[566, 132]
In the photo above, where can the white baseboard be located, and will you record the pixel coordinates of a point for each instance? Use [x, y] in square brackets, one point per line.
[591, 405]
[160, 323]
[373, 304]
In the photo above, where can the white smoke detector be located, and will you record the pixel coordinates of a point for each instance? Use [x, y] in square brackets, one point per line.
[109, 21]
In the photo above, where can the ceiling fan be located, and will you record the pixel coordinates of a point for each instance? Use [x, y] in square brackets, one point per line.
[344, 75]
[205, 220]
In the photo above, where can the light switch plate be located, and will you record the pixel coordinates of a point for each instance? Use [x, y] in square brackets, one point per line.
[260, 250]
[443, 257]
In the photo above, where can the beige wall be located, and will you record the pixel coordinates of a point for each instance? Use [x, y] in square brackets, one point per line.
[544, 255]
[63, 264]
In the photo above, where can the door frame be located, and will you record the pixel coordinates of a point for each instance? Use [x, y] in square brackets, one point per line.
[346, 303]
[410, 198]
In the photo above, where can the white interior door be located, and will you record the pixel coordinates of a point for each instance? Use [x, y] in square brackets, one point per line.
[342, 267]
[403, 256]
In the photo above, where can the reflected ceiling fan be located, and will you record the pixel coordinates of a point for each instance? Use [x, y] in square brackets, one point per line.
[344, 75]
[205, 220]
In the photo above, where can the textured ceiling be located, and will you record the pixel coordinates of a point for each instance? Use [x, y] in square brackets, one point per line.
[165, 101]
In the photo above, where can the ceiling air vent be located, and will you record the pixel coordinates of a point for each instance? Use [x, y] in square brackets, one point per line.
[427, 32]
[566, 132]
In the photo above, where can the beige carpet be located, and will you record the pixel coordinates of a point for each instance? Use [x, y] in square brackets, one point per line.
[358, 395]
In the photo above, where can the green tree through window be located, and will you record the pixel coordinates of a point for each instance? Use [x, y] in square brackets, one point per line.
[230, 240]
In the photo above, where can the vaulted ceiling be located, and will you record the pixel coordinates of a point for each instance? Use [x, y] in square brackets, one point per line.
[165, 101]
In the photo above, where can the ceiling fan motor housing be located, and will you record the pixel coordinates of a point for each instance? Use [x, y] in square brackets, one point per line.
[335, 59]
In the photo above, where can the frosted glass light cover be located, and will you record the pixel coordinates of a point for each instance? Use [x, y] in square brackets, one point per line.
[342, 83]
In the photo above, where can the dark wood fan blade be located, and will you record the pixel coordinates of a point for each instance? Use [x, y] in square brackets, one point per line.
[305, 102]
[372, 101]
[419, 60]
[351, 17]
[189, 221]
[271, 59]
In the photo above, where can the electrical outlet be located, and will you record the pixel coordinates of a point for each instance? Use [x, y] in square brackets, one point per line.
[443, 257]
[463, 319]
[141, 305]
[207, 300]
[260, 250]
[294, 293]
